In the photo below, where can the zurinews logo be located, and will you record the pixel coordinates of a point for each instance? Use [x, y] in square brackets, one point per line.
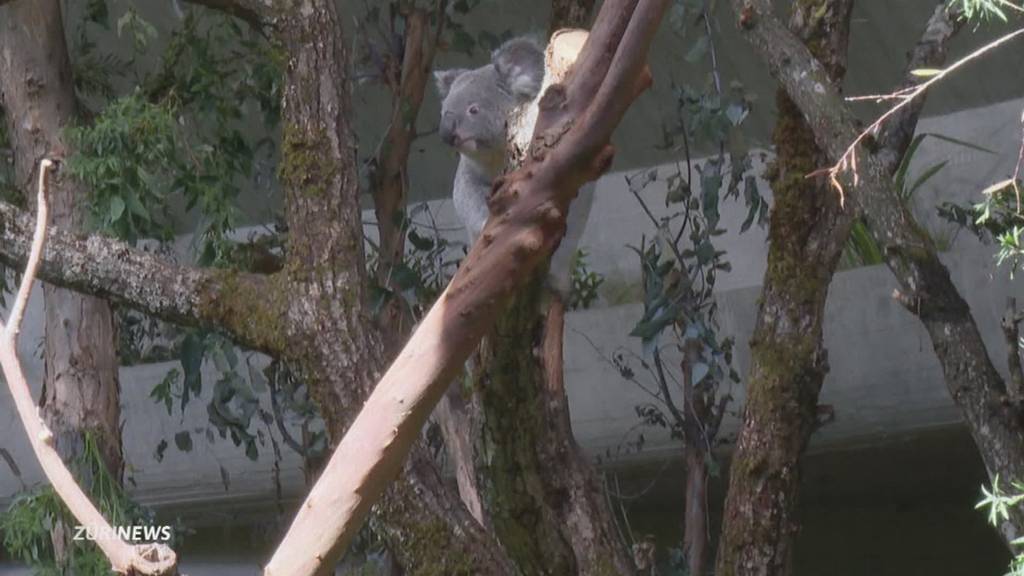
[126, 533]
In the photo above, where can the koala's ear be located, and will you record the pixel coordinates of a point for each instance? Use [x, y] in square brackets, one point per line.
[445, 78]
[520, 66]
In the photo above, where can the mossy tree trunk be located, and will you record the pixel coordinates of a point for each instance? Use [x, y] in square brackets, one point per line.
[759, 524]
[80, 391]
[539, 492]
[807, 232]
[331, 334]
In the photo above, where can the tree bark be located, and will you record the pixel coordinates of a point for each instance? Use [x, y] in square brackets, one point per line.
[925, 287]
[807, 233]
[246, 306]
[569, 14]
[407, 80]
[330, 332]
[528, 217]
[459, 412]
[756, 459]
[540, 493]
[80, 392]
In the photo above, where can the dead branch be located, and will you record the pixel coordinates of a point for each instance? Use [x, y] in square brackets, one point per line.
[570, 147]
[124, 558]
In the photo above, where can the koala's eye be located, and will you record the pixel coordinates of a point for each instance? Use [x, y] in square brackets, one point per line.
[474, 109]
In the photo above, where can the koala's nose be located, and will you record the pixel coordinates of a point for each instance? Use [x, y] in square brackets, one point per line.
[447, 130]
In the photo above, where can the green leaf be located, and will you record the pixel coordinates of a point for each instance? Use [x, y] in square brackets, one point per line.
[908, 156]
[404, 277]
[959, 142]
[192, 351]
[97, 13]
[462, 42]
[158, 454]
[698, 50]
[183, 440]
[863, 246]
[117, 207]
[136, 207]
[924, 177]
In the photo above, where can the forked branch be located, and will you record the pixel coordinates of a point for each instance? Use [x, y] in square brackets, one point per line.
[528, 209]
[147, 559]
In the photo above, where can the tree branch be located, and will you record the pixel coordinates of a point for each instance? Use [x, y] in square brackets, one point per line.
[155, 559]
[1011, 332]
[929, 52]
[973, 382]
[528, 217]
[244, 305]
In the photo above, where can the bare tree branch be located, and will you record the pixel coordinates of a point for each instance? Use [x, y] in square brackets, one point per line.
[244, 305]
[155, 559]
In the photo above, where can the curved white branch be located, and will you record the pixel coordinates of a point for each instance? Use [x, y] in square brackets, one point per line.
[124, 558]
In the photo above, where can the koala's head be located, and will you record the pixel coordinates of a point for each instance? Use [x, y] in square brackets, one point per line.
[475, 104]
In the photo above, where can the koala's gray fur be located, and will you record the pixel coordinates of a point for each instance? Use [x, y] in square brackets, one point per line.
[475, 108]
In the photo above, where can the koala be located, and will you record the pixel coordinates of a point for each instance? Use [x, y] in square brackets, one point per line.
[475, 108]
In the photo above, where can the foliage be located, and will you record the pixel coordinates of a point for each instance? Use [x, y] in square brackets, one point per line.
[120, 158]
[181, 142]
[998, 504]
[584, 283]
[680, 264]
[179, 133]
[425, 270]
[861, 248]
[235, 410]
[985, 9]
[997, 217]
[37, 523]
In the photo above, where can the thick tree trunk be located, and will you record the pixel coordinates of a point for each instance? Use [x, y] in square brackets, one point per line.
[925, 285]
[539, 491]
[808, 230]
[80, 391]
[331, 334]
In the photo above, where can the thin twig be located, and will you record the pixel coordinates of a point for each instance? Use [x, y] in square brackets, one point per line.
[1020, 162]
[848, 161]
